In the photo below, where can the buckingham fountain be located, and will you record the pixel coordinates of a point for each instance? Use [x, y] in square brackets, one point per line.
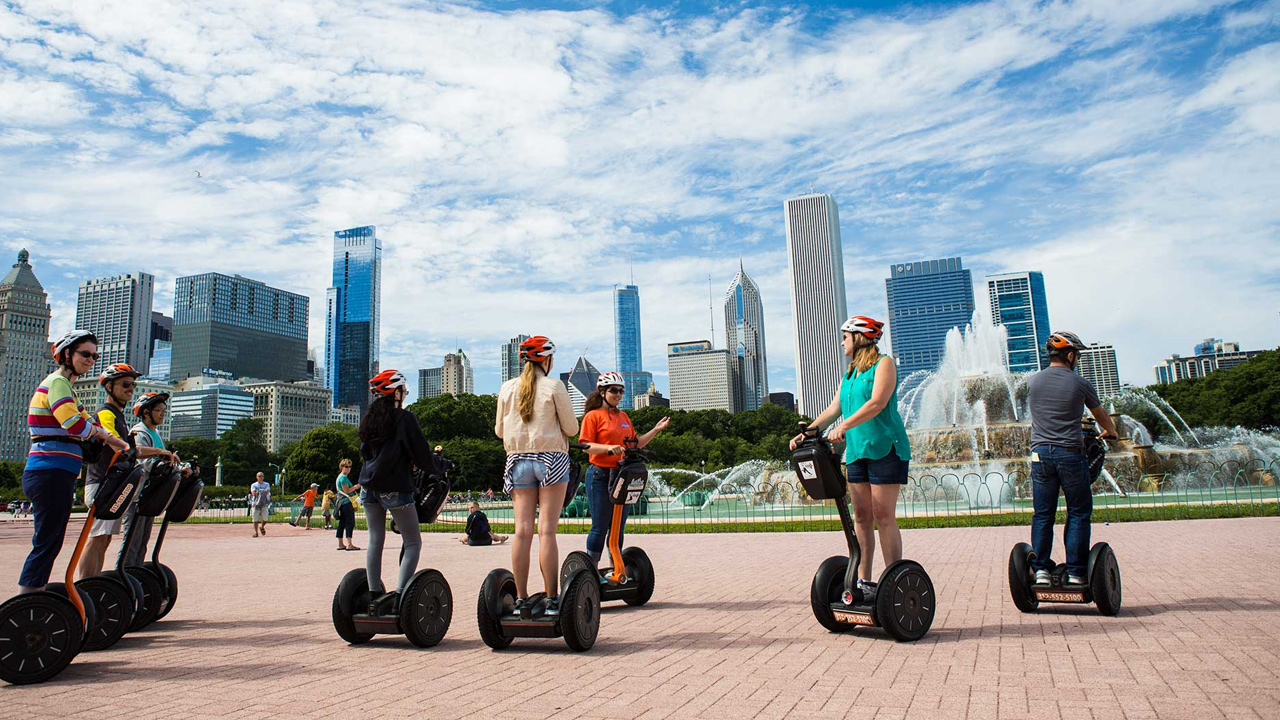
[970, 431]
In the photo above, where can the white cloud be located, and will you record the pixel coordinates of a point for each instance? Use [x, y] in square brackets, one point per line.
[515, 161]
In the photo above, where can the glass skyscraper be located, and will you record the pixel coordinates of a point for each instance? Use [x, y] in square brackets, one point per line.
[627, 345]
[352, 314]
[1018, 303]
[926, 300]
[744, 338]
[240, 326]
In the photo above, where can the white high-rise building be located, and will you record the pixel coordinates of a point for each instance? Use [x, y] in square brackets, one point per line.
[818, 306]
[456, 377]
[699, 377]
[1098, 366]
[744, 339]
[24, 353]
[117, 309]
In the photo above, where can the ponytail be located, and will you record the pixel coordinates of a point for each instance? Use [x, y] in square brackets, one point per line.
[528, 389]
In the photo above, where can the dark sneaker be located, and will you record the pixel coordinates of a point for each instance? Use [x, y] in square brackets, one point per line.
[386, 604]
[553, 606]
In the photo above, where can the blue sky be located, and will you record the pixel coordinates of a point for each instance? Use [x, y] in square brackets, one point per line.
[519, 158]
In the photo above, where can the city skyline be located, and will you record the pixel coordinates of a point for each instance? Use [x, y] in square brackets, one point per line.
[1126, 153]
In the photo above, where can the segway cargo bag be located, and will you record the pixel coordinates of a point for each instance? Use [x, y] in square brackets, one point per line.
[627, 482]
[816, 466]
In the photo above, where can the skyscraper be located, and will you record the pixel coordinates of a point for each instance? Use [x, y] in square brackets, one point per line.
[744, 339]
[456, 377]
[699, 377]
[117, 309]
[161, 329]
[1098, 366]
[289, 410]
[511, 357]
[1018, 303]
[240, 326]
[429, 383]
[24, 353]
[208, 408]
[818, 306]
[926, 300]
[352, 315]
[580, 381]
[627, 345]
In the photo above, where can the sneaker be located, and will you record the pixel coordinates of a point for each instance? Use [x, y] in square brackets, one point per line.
[387, 604]
[1076, 580]
[866, 586]
[553, 606]
[1042, 577]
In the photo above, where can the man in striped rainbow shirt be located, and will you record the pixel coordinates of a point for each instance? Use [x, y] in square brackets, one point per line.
[59, 426]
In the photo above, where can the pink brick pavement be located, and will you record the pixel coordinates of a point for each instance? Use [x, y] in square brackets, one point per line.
[729, 634]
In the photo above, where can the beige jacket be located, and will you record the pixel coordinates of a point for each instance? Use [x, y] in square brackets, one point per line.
[552, 423]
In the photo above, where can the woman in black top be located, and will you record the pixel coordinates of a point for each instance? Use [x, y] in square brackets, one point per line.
[391, 443]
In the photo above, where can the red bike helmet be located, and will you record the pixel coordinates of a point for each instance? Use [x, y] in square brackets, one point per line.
[1060, 342]
[537, 348]
[149, 400]
[873, 329]
[117, 371]
[386, 382]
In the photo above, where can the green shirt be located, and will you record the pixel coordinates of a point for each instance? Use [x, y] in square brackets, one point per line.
[345, 488]
[874, 438]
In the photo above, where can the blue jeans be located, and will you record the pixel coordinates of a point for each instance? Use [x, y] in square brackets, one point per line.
[601, 511]
[1065, 469]
[51, 493]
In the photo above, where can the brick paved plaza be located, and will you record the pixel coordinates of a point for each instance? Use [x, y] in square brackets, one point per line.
[729, 634]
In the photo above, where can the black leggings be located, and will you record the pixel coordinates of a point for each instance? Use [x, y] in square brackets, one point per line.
[346, 520]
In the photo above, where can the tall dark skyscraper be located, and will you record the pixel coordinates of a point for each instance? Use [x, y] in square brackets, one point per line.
[926, 300]
[352, 315]
[240, 326]
[627, 344]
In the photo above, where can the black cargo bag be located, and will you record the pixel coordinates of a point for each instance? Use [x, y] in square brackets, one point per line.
[118, 489]
[818, 469]
[627, 482]
[159, 486]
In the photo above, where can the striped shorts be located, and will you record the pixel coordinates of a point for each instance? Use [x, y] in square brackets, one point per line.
[533, 470]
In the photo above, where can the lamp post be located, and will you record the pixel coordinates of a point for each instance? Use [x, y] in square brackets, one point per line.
[279, 475]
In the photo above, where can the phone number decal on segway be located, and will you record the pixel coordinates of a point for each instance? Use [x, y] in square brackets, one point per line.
[1059, 596]
[853, 618]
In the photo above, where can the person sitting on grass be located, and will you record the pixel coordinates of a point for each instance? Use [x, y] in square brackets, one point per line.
[478, 531]
[308, 499]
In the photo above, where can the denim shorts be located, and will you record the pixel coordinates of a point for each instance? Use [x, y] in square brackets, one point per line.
[530, 475]
[888, 470]
[388, 500]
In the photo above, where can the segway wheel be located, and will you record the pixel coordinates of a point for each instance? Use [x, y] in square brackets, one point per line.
[90, 609]
[426, 608]
[905, 601]
[113, 605]
[580, 610]
[1020, 578]
[828, 586]
[152, 595]
[170, 587]
[575, 561]
[640, 570]
[1104, 581]
[497, 598]
[40, 633]
[352, 594]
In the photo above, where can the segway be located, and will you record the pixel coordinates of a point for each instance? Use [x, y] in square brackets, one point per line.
[159, 487]
[1103, 586]
[42, 632]
[902, 602]
[117, 598]
[578, 621]
[631, 578]
[425, 608]
[185, 499]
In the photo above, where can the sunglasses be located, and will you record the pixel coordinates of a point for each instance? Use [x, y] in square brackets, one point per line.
[127, 384]
[614, 391]
[88, 355]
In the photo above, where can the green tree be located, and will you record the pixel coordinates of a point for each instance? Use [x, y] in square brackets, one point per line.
[1247, 395]
[479, 463]
[315, 458]
[206, 450]
[456, 416]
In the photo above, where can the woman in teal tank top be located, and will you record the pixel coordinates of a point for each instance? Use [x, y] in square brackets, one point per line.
[877, 450]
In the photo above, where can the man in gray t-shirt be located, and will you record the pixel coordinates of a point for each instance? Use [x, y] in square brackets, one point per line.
[1058, 397]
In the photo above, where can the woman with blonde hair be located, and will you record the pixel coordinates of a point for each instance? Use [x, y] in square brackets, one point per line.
[877, 451]
[535, 419]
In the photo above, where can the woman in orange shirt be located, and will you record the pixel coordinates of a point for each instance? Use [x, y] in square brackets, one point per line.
[604, 430]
